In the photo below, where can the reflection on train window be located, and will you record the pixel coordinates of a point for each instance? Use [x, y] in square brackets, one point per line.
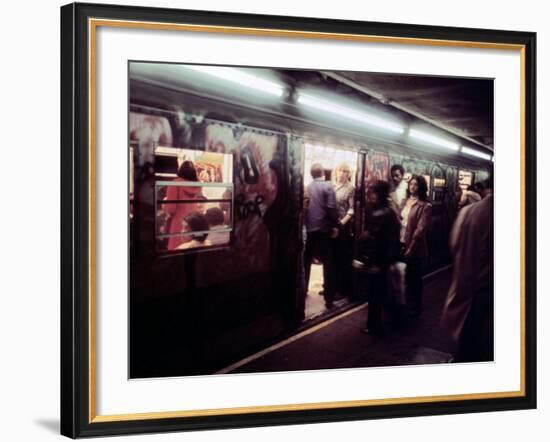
[210, 167]
[465, 179]
[194, 210]
[438, 189]
[179, 199]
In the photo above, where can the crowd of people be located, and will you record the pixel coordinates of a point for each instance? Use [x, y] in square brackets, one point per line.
[396, 222]
[395, 228]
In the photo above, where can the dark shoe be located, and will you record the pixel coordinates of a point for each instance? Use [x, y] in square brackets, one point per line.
[329, 305]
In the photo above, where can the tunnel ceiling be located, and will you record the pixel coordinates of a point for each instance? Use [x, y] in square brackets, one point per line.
[463, 105]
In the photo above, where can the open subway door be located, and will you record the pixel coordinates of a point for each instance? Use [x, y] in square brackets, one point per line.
[341, 166]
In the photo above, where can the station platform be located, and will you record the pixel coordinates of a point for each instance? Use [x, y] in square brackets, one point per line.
[337, 342]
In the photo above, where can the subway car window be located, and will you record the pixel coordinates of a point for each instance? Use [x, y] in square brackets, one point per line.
[465, 179]
[194, 199]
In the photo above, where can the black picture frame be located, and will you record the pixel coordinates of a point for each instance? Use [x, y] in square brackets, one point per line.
[77, 404]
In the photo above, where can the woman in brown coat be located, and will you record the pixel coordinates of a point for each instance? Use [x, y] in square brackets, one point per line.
[415, 220]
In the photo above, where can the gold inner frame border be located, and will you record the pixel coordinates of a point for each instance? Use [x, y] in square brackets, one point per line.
[93, 24]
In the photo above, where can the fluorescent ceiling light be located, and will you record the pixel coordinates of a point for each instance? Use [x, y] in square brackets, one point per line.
[329, 106]
[475, 153]
[241, 78]
[442, 142]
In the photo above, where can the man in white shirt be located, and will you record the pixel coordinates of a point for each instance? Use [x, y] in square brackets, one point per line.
[399, 193]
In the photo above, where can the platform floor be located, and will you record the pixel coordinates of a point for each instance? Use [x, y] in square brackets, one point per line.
[339, 343]
[315, 301]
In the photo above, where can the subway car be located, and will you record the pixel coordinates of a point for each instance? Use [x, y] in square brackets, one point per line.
[203, 297]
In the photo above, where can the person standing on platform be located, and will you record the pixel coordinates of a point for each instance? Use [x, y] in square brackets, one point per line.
[343, 244]
[468, 311]
[321, 226]
[379, 248]
[399, 193]
[415, 220]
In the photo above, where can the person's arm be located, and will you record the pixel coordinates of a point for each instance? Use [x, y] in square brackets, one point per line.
[420, 231]
[349, 214]
[345, 219]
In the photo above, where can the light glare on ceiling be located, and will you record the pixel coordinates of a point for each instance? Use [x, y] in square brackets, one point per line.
[475, 153]
[242, 78]
[328, 106]
[432, 139]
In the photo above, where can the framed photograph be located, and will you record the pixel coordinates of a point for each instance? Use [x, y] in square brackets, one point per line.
[274, 220]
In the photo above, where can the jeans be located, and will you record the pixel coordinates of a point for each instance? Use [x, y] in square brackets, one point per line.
[377, 295]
